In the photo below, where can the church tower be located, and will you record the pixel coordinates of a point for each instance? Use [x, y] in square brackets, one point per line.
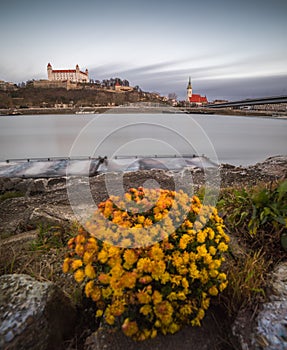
[189, 91]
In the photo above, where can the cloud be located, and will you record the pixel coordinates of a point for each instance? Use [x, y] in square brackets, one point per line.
[232, 79]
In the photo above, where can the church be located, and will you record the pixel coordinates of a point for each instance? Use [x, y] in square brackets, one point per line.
[194, 99]
[72, 75]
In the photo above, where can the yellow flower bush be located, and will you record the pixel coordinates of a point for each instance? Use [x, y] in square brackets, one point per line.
[151, 261]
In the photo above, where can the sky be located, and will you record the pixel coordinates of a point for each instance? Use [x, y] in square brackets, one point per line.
[231, 49]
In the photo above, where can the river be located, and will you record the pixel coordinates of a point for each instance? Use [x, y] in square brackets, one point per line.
[225, 139]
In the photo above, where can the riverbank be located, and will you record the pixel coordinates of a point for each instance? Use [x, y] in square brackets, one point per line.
[142, 109]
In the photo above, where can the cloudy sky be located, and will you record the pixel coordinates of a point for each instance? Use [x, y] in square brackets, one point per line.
[231, 49]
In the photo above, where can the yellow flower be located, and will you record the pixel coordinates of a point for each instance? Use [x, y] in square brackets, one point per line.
[130, 258]
[193, 271]
[153, 333]
[117, 308]
[79, 275]
[201, 250]
[141, 219]
[186, 310]
[66, 265]
[110, 319]
[96, 294]
[104, 278]
[144, 265]
[200, 314]
[106, 292]
[76, 264]
[156, 297]
[207, 259]
[213, 291]
[173, 328]
[103, 256]
[185, 283]
[99, 313]
[145, 310]
[143, 297]
[204, 276]
[222, 247]
[128, 280]
[156, 252]
[213, 273]
[89, 288]
[88, 257]
[181, 296]
[222, 276]
[201, 236]
[145, 279]
[90, 271]
[172, 296]
[157, 269]
[129, 328]
[184, 240]
[147, 222]
[158, 217]
[223, 285]
[164, 311]
[217, 263]
[205, 303]
[212, 250]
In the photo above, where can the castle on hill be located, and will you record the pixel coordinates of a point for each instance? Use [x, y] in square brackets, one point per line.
[72, 75]
[194, 99]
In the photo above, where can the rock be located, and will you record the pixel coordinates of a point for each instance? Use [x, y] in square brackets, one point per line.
[271, 328]
[52, 215]
[14, 216]
[37, 186]
[33, 315]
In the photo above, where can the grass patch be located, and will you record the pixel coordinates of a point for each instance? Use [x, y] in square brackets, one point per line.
[247, 279]
[10, 194]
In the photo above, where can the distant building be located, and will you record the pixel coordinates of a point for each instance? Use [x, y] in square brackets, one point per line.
[195, 99]
[7, 86]
[119, 87]
[73, 75]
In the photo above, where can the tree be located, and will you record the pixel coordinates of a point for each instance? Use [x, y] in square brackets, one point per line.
[172, 96]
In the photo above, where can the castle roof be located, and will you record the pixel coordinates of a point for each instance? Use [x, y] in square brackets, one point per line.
[66, 71]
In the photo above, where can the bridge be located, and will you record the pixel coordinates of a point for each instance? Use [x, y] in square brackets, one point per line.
[249, 102]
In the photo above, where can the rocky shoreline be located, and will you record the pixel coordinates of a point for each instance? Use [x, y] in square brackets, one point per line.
[46, 199]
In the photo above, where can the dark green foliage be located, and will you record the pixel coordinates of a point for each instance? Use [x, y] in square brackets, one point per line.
[259, 215]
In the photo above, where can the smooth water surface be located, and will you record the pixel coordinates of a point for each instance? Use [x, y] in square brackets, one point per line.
[227, 139]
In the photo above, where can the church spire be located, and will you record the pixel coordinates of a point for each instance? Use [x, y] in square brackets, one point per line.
[189, 84]
[189, 91]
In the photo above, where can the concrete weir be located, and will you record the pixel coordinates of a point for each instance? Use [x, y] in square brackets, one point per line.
[59, 167]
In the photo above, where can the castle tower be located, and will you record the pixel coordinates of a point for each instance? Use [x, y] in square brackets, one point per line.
[189, 91]
[49, 71]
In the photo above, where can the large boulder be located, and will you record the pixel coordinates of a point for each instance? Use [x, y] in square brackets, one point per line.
[33, 315]
[271, 328]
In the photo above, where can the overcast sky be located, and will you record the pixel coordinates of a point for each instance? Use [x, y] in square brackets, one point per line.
[231, 49]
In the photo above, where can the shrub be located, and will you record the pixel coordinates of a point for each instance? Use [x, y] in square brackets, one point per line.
[161, 284]
[259, 215]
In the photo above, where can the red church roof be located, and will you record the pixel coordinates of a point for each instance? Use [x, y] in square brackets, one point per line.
[196, 98]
